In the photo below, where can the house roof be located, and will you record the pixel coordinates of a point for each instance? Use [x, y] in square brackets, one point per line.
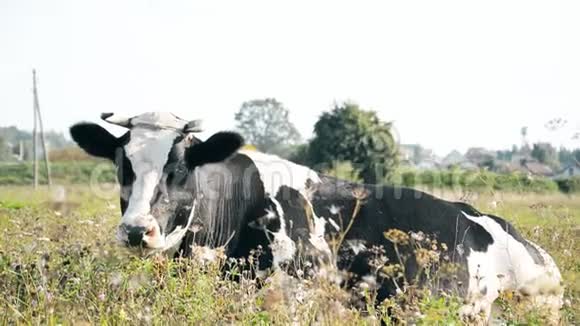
[538, 168]
[568, 166]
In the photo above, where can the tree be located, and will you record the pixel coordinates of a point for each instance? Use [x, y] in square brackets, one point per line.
[265, 124]
[567, 157]
[421, 154]
[545, 153]
[505, 155]
[348, 133]
[299, 154]
[5, 154]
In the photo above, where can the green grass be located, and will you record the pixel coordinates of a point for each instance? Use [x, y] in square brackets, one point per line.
[75, 172]
[59, 264]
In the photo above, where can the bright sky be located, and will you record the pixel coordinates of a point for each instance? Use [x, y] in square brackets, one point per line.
[451, 74]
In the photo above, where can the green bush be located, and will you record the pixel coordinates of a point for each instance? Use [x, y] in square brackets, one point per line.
[343, 170]
[570, 185]
[476, 181]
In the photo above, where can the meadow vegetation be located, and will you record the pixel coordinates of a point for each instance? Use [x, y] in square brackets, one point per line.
[85, 171]
[59, 264]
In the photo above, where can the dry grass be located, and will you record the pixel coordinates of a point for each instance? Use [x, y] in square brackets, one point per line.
[59, 264]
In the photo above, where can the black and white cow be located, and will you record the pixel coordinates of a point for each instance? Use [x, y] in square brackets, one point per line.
[178, 191]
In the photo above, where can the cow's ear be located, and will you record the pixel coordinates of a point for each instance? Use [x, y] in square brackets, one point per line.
[95, 140]
[215, 149]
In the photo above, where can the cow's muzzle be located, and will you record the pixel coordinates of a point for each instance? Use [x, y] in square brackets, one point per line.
[143, 235]
[135, 235]
[144, 232]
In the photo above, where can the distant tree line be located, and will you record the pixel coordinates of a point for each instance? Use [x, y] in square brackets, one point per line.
[353, 143]
[11, 138]
[544, 153]
[347, 139]
[348, 142]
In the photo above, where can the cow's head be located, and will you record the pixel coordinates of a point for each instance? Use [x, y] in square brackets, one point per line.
[153, 159]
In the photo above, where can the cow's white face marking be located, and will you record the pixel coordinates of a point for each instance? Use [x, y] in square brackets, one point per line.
[152, 136]
[506, 265]
[276, 172]
[148, 151]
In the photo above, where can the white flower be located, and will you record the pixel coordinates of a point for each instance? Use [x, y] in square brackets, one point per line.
[459, 249]
[334, 210]
[418, 236]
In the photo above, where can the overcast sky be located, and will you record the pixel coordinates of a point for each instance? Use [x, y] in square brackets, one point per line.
[450, 74]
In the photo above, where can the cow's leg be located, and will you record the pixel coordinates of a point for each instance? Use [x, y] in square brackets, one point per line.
[483, 288]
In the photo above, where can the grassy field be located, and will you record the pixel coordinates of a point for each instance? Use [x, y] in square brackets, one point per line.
[59, 264]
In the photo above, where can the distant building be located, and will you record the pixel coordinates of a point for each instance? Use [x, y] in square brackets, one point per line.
[407, 153]
[480, 156]
[15, 151]
[414, 154]
[536, 168]
[428, 164]
[527, 166]
[453, 158]
[467, 166]
[569, 171]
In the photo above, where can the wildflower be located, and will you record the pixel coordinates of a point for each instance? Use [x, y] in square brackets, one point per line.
[426, 257]
[397, 236]
[195, 227]
[418, 236]
[101, 296]
[391, 270]
[334, 210]
[370, 280]
[460, 250]
[360, 193]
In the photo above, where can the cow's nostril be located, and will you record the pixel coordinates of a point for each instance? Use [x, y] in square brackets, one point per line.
[150, 232]
[135, 235]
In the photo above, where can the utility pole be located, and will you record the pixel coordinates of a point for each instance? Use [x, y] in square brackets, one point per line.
[38, 119]
[34, 137]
